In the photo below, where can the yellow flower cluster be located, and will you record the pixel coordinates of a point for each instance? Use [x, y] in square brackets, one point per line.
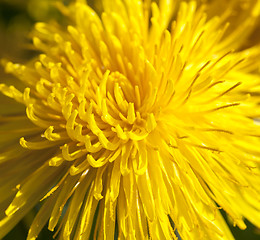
[138, 121]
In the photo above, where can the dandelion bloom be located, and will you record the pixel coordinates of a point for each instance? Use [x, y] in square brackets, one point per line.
[135, 122]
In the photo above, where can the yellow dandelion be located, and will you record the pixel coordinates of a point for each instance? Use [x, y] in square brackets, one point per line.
[137, 121]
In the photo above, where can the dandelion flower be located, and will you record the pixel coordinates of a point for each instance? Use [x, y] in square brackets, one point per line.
[135, 122]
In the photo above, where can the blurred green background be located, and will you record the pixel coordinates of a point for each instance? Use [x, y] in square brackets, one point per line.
[16, 19]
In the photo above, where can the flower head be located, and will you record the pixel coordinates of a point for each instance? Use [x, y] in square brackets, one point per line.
[136, 119]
